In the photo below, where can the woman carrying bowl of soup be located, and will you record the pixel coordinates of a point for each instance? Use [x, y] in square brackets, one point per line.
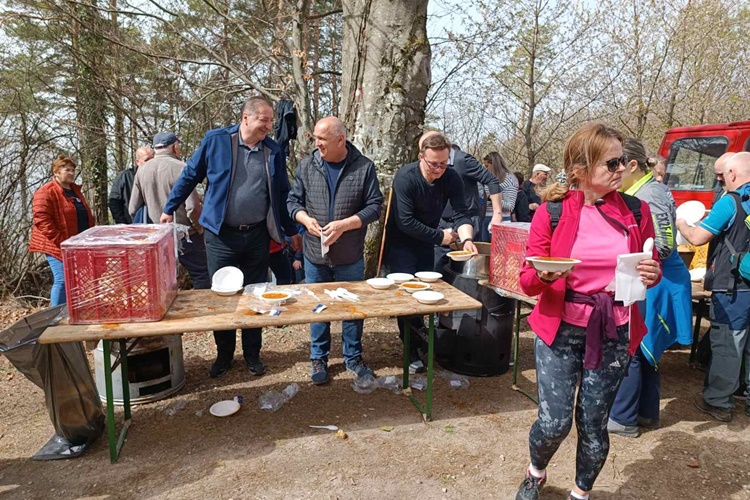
[584, 338]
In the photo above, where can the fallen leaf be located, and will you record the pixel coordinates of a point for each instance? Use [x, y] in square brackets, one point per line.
[693, 463]
[342, 434]
[386, 428]
[449, 428]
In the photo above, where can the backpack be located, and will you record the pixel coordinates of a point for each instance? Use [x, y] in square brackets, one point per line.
[554, 208]
[741, 260]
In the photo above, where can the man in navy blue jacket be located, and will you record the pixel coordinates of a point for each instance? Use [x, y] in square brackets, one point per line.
[244, 208]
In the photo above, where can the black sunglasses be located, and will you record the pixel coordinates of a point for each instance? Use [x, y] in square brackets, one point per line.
[614, 163]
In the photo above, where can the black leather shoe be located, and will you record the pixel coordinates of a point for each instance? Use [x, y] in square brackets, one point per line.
[255, 365]
[220, 367]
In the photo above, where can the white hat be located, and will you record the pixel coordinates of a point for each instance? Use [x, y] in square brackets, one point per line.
[540, 168]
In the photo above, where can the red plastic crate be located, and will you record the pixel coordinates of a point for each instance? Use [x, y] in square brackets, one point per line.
[120, 274]
[507, 254]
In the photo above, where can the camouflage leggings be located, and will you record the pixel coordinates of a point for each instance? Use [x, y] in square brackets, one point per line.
[559, 368]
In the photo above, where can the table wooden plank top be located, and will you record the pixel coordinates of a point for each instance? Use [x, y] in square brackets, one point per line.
[204, 310]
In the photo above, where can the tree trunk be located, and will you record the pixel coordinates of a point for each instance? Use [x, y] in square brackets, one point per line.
[385, 78]
[115, 67]
[91, 109]
[301, 75]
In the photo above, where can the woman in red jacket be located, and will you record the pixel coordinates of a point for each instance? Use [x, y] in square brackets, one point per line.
[60, 211]
[584, 338]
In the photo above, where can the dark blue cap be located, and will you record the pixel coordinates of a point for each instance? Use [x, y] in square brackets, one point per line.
[164, 139]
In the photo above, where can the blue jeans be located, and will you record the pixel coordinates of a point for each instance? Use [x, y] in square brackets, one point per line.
[639, 393]
[193, 259]
[249, 251]
[320, 333]
[57, 295]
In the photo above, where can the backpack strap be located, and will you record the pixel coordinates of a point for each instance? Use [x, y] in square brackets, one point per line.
[554, 208]
[634, 204]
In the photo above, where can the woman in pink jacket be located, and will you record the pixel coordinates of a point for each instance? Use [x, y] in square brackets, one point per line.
[584, 338]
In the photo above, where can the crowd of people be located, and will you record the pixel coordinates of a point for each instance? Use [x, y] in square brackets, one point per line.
[596, 358]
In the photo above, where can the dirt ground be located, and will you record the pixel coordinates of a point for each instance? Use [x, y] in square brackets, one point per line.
[476, 447]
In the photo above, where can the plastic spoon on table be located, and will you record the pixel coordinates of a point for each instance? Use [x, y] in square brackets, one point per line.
[326, 427]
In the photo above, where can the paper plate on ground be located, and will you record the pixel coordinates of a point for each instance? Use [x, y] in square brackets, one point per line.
[692, 211]
[224, 408]
[697, 274]
[428, 276]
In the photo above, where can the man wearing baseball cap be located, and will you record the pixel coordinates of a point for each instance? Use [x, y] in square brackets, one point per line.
[534, 184]
[152, 185]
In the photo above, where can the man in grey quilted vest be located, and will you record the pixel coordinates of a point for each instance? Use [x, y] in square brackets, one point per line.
[335, 196]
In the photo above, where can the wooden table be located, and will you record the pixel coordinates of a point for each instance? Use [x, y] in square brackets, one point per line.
[202, 310]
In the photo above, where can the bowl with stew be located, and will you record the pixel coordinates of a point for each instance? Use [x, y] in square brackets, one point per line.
[275, 297]
[552, 264]
[414, 286]
[461, 255]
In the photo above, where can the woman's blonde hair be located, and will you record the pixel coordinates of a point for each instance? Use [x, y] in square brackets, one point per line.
[62, 161]
[583, 150]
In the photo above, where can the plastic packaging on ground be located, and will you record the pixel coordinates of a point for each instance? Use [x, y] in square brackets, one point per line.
[273, 400]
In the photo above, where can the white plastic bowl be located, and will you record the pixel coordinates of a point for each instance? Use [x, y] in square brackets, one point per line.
[400, 277]
[225, 292]
[428, 296]
[227, 278]
[380, 283]
[411, 289]
[554, 266]
[224, 408]
[461, 255]
[428, 276]
[692, 211]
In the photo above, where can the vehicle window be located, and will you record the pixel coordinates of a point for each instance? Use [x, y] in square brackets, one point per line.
[690, 164]
[747, 145]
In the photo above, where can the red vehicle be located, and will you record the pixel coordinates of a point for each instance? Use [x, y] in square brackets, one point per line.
[691, 153]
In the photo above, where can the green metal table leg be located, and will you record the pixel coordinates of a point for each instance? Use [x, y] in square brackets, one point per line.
[517, 337]
[407, 343]
[430, 365]
[125, 394]
[111, 436]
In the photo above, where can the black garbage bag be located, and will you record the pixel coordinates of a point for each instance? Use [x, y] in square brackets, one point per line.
[62, 372]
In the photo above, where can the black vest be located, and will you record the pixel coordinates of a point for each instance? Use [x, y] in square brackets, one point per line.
[720, 273]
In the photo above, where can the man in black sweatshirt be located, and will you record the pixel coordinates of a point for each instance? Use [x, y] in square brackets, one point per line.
[421, 191]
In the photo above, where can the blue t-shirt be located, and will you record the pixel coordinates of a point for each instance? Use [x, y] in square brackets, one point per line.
[333, 171]
[723, 213]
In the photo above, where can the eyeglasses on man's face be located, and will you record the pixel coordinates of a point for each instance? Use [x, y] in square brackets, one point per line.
[435, 165]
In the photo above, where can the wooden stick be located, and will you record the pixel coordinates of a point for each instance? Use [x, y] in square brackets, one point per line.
[385, 225]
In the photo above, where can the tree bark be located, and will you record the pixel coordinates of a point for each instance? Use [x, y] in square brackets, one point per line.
[385, 78]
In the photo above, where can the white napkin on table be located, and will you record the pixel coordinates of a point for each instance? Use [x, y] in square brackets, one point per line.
[628, 285]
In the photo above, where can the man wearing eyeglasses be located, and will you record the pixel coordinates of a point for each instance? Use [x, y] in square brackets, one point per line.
[421, 190]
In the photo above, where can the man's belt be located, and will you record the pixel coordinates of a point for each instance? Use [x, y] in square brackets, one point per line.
[241, 227]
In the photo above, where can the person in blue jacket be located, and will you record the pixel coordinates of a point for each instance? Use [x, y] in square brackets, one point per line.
[244, 208]
[667, 308]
